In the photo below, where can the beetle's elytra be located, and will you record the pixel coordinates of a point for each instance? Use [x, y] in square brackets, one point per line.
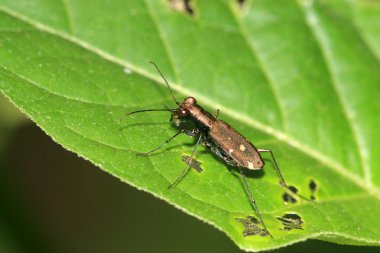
[222, 139]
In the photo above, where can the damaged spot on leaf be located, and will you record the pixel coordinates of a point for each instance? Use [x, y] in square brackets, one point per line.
[291, 221]
[288, 197]
[185, 6]
[251, 226]
[313, 188]
[241, 4]
[193, 164]
[293, 189]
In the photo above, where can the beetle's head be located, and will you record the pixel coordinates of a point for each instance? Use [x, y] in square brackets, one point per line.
[183, 110]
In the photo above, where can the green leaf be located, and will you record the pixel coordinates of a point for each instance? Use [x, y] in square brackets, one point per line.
[298, 77]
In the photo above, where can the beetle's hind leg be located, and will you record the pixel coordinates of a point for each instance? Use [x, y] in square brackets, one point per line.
[253, 202]
[283, 183]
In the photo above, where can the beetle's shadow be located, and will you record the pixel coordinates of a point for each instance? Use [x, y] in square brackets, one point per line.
[163, 149]
[168, 148]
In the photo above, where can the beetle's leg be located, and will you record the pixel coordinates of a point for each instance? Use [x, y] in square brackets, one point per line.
[192, 132]
[162, 144]
[216, 114]
[188, 164]
[283, 183]
[219, 152]
[206, 142]
[230, 162]
[253, 200]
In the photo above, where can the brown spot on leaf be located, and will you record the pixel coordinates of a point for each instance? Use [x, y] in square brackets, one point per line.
[313, 188]
[251, 227]
[291, 221]
[193, 164]
[185, 6]
[241, 3]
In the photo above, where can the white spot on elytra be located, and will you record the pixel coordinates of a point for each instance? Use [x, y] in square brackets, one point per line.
[230, 151]
[229, 138]
[242, 147]
[250, 165]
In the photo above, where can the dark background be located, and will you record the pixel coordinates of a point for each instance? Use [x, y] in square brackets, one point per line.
[53, 201]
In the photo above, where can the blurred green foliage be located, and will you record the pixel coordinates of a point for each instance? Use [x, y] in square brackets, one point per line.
[57, 202]
[299, 77]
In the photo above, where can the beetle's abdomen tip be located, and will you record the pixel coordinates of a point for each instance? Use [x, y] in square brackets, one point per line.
[258, 165]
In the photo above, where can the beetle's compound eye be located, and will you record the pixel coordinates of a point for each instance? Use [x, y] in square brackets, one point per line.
[182, 112]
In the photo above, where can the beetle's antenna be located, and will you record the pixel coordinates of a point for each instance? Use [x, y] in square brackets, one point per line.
[171, 91]
[147, 110]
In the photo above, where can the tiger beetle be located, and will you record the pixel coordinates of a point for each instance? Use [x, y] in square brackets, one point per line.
[222, 139]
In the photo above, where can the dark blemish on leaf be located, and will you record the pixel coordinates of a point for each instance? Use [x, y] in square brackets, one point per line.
[313, 188]
[241, 4]
[291, 221]
[293, 189]
[182, 6]
[193, 164]
[288, 197]
[251, 227]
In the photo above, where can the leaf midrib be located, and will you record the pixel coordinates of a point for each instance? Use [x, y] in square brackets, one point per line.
[327, 161]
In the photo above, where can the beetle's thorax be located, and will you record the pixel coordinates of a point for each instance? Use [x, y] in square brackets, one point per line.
[201, 117]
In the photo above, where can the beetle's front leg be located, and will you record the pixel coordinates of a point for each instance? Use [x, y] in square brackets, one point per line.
[192, 132]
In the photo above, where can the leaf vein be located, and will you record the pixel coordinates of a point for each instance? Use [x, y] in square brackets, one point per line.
[284, 137]
[77, 99]
[160, 35]
[264, 70]
[69, 21]
[319, 37]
